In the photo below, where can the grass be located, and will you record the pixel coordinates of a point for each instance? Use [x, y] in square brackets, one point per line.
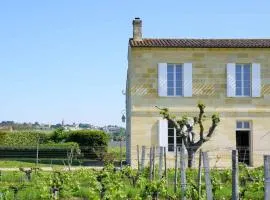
[32, 163]
[117, 152]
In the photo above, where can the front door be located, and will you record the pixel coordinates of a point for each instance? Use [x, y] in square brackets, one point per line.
[242, 145]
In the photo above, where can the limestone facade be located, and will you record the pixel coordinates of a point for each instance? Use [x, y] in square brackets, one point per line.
[209, 86]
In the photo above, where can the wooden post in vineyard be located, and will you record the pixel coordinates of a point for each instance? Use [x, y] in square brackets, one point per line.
[37, 152]
[235, 189]
[183, 173]
[266, 177]
[150, 162]
[143, 158]
[208, 184]
[138, 157]
[121, 153]
[154, 160]
[160, 162]
[165, 163]
[175, 170]
[200, 174]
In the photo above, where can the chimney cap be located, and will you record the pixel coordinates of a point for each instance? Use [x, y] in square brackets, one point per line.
[137, 20]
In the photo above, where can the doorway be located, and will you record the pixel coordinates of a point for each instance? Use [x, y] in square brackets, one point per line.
[243, 141]
[242, 145]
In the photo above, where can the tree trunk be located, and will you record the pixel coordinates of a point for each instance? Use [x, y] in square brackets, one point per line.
[191, 156]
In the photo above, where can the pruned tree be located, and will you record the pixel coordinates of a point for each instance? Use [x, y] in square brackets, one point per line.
[184, 127]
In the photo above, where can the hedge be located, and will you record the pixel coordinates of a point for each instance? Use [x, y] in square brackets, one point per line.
[89, 138]
[93, 143]
[22, 138]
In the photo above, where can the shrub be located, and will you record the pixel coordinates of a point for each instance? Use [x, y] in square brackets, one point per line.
[92, 138]
[59, 135]
[22, 138]
[93, 143]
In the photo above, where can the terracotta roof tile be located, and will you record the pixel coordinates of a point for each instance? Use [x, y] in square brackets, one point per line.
[202, 43]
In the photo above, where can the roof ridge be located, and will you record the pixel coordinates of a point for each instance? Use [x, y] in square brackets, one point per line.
[202, 42]
[204, 38]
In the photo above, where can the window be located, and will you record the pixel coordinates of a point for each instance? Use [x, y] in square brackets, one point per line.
[173, 139]
[174, 80]
[243, 80]
[240, 125]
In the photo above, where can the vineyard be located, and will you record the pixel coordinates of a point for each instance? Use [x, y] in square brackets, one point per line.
[125, 183]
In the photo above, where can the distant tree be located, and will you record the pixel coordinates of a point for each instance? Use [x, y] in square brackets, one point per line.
[84, 126]
[36, 124]
[7, 123]
[184, 128]
[120, 135]
[56, 126]
[59, 135]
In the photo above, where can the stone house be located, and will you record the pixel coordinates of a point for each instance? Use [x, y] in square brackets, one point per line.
[231, 76]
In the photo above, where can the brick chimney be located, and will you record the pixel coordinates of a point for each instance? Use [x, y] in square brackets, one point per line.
[137, 29]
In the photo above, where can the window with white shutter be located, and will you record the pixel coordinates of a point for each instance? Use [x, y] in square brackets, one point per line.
[174, 140]
[187, 79]
[162, 79]
[175, 79]
[231, 79]
[256, 80]
[167, 136]
[243, 80]
[163, 133]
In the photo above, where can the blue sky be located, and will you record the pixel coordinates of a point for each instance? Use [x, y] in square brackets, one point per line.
[68, 59]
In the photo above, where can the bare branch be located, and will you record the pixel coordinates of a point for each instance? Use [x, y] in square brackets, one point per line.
[166, 115]
[201, 106]
[215, 121]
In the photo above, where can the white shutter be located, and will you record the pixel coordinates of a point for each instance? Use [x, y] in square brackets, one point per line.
[162, 79]
[163, 133]
[256, 80]
[231, 80]
[187, 76]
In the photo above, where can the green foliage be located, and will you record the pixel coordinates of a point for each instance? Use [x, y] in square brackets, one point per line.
[118, 136]
[116, 152]
[251, 182]
[52, 146]
[59, 135]
[22, 138]
[215, 118]
[155, 189]
[93, 143]
[93, 138]
[111, 183]
[201, 105]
